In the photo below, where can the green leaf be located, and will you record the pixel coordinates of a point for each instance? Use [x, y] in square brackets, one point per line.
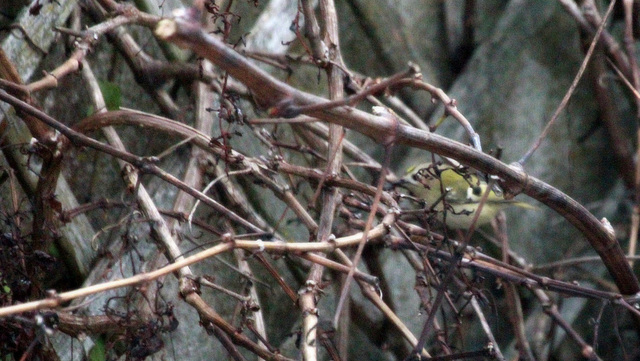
[98, 352]
[112, 95]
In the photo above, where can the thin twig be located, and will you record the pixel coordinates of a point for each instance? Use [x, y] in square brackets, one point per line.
[572, 88]
[372, 214]
[487, 329]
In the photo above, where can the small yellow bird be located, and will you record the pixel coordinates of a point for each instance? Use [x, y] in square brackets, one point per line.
[461, 192]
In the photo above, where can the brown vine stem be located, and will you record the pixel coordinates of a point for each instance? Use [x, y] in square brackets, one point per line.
[131, 176]
[551, 309]
[483, 263]
[621, 143]
[204, 142]
[331, 59]
[281, 98]
[629, 43]
[601, 240]
[369, 291]
[25, 35]
[146, 165]
[514, 302]
[55, 300]
[83, 47]
[572, 262]
[589, 25]
[372, 214]
[442, 288]
[325, 262]
[399, 78]
[450, 108]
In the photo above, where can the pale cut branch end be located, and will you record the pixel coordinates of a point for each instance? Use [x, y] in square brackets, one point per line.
[166, 28]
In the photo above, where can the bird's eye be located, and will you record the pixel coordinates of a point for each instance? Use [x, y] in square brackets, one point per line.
[477, 191]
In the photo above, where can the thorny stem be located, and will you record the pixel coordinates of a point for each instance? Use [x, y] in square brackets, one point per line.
[372, 215]
[141, 163]
[259, 245]
[449, 272]
[313, 108]
[514, 180]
